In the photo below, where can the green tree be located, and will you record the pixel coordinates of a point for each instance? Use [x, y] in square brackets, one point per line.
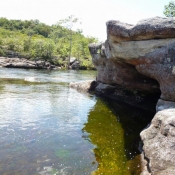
[68, 23]
[169, 10]
[32, 39]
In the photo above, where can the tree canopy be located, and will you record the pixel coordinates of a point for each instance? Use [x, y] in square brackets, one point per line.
[33, 39]
[169, 10]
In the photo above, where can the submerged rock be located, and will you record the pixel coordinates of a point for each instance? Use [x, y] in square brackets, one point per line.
[138, 61]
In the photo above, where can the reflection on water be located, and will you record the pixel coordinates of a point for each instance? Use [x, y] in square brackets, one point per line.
[114, 130]
[41, 121]
[107, 134]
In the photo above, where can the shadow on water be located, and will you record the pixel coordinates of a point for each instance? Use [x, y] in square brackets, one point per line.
[41, 121]
[114, 129]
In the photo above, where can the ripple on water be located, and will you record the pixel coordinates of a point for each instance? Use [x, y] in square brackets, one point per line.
[40, 132]
[41, 125]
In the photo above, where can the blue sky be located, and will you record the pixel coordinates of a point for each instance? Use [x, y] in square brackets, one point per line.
[92, 13]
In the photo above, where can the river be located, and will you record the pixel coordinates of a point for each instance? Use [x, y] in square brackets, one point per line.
[47, 128]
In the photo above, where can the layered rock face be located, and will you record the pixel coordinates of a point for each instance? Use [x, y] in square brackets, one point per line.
[141, 58]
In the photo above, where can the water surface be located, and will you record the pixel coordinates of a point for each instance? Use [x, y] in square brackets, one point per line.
[47, 128]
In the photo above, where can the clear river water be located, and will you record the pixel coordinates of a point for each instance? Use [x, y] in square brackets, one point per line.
[47, 128]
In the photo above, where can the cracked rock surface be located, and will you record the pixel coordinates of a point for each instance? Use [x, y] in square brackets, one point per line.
[140, 59]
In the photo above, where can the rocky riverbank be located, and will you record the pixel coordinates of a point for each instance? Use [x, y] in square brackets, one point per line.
[14, 61]
[136, 64]
[25, 63]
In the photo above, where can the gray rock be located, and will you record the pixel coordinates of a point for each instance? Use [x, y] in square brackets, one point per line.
[138, 63]
[84, 86]
[159, 143]
[104, 89]
[114, 70]
[141, 58]
[152, 28]
[72, 60]
[24, 63]
[162, 104]
[75, 65]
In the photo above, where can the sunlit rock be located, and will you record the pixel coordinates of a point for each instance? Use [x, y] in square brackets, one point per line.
[25, 63]
[84, 86]
[159, 142]
[141, 60]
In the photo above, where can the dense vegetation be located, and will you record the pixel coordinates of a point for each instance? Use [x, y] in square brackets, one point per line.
[169, 10]
[35, 40]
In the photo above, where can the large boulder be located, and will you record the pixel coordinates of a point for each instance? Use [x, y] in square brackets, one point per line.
[141, 60]
[83, 86]
[152, 28]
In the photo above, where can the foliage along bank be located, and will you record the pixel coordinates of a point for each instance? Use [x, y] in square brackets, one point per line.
[35, 40]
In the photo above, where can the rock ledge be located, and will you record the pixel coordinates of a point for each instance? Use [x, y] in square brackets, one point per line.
[139, 61]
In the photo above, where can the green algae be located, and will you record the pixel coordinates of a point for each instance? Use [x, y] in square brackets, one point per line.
[113, 148]
[107, 134]
[112, 130]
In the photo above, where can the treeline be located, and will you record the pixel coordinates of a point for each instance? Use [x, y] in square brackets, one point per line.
[35, 40]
